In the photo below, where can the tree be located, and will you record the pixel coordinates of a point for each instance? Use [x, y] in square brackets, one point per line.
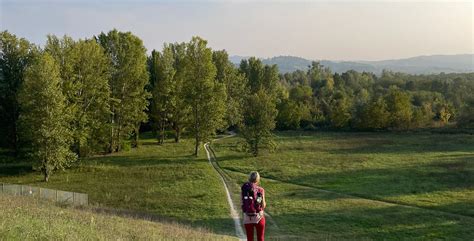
[340, 106]
[161, 79]
[179, 108]
[16, 54]
[235, 86]
[85, 71]
[204, 94]
[259, 121]
[399, 107]
[129, 98]
[260, 104]
[466, 118]
[43, 117]
[374, 115]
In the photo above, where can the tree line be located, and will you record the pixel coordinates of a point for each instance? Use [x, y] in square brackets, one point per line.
[73, 98]
[318, 98]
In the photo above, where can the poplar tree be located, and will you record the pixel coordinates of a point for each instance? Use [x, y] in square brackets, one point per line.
[259, 111]
[16, 54]
[259, 121]
[235, 87]
[180, 109]
[44, 116]
[129, 98]
[204, 94]
[161, 79]
[85, 71]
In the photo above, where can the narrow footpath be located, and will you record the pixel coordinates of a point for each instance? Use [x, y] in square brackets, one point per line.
[233, 213]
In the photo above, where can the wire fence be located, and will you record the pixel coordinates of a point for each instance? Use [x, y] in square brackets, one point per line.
[63, 197]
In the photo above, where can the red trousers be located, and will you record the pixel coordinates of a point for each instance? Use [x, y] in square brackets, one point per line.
[260, 226]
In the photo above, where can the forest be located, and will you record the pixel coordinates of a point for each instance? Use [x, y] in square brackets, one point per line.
[74, 98]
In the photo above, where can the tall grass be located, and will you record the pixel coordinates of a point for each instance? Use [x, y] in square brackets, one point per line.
[25, 218]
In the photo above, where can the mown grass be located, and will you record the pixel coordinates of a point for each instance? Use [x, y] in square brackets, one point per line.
[26, 218]
[161, 180]
[432, 175]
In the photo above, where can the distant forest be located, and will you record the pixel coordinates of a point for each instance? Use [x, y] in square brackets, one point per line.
[73, 98]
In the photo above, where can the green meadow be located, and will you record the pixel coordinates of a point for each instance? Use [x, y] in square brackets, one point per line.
[320, 185]
[165, 181]
[335, 185]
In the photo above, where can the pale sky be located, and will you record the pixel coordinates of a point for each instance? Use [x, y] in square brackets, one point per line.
[334, 30]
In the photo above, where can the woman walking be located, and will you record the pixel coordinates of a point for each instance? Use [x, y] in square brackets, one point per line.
[253, 203]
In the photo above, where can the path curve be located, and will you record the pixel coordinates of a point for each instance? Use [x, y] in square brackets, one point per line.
[233, 213]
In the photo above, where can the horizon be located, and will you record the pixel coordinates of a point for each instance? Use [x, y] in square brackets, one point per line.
[315, 30]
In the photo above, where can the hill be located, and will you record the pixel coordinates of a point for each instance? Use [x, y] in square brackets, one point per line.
[30, 219]
[462, 63]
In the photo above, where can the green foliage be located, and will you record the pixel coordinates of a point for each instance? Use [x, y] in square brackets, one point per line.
[129, 78]
[205, 95]
[259, 121]
[399, 106]
[259, 111]
[16, 54]
[161, 80]
[85, 83]
[374, 115]
[466, 118]
[340, 110]
[235, 84]
[179, 107]
[44, 116]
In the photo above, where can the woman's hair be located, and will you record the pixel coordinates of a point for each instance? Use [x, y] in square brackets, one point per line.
[254, 177]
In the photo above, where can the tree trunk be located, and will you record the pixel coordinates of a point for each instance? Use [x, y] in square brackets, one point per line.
[177, 134]
[15, 138]
[45, 173]
[135, 137]
[162, 133]
[112, 144]
[196, 146]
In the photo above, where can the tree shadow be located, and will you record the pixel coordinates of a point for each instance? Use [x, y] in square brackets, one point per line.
[130, 161]
[388, 183]
[19, 169]
[379, 223]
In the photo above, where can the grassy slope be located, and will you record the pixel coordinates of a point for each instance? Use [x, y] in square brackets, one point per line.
[161, 180]
[28, 219]
[431, 171]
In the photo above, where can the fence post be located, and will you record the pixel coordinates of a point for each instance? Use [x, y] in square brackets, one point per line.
[56, 195]
[3, 187]
[73, 199]
[39, 192]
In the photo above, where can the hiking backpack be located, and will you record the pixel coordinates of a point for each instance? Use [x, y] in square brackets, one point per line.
[251, 198]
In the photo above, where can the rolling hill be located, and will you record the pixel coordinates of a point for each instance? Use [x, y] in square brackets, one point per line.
[463, 63]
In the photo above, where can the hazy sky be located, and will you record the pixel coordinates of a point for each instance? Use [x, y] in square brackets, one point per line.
[336, 30]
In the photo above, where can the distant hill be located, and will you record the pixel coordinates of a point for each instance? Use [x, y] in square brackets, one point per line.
[417, 65]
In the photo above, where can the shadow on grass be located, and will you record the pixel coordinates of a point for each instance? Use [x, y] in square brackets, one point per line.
[224, 226]
[8, 170]
[387, 184]
[130, 161]
[380, 223]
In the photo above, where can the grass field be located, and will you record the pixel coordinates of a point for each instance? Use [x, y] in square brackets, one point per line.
[165, 181]
[320, 185]
[383, 185]
[29, 219]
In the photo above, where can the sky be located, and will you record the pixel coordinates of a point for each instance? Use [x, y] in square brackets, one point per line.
[333, 30]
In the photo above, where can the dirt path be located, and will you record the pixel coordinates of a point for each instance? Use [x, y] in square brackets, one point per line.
[233, 213]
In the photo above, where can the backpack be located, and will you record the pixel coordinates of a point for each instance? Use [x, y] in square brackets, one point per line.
[251, 198]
